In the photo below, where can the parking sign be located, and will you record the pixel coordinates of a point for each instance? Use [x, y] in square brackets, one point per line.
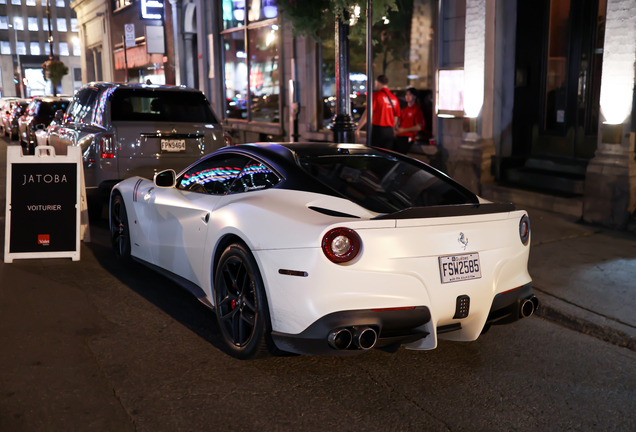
[129, 33]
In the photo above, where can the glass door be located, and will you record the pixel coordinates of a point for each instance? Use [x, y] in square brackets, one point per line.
[571, 79]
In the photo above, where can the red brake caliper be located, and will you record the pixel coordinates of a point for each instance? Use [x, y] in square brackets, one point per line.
[233, 304]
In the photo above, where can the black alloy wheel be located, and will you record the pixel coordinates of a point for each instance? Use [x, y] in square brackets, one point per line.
[119, 229]
[241, 304]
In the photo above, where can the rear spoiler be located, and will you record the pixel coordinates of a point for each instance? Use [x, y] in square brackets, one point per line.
[449, 210]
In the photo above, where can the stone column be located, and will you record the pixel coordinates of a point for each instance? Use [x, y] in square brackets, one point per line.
[177, 29]
[610, 181]
[473, 160]
[189, 59]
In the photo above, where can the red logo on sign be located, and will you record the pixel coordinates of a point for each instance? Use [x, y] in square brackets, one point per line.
[44, 239]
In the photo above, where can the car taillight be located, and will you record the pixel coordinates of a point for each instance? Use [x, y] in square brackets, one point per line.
[524, 229]
[341, 245]
[227, 140]
[106, 146]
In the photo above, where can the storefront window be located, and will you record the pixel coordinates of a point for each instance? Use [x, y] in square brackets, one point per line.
[255, 62]
[357, 76]
[233, 13]
[118, 4]
[262, 9]
[402, 52]
[264, 76]
[235, 75]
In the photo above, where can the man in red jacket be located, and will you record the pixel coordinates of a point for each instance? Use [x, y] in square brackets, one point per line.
[386, 112]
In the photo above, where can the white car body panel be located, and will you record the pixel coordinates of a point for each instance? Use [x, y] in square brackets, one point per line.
[397, 267]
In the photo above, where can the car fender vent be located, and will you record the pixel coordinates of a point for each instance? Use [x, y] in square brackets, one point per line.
[332, 212]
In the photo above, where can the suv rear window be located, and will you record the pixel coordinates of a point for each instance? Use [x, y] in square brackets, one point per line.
[160, 106]
[48, 109]
[383, 183]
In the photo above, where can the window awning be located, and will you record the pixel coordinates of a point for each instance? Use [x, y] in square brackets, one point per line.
[137, 57]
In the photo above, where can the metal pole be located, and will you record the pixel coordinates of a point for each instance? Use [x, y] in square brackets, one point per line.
[123, 39]
[48, 20]
[343, 126]
[21, 83]
[369, 71]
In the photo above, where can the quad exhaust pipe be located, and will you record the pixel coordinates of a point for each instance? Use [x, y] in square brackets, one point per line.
[528, 306]
[340, 339]
[361, 337]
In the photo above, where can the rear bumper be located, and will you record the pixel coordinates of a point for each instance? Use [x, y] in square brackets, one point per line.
[394, 327]
[506, 306]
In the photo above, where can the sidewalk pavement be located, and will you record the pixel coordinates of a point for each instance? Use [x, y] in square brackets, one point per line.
[584, 276]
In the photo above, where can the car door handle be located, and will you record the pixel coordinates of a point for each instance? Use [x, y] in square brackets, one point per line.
[206, 218]
[148, 194]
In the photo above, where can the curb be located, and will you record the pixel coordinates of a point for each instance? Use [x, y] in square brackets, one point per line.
[604, 331]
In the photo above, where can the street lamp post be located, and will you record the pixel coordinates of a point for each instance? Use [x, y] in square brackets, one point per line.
[50, 36]
[369, 71]
[343, 126]
[17, 53]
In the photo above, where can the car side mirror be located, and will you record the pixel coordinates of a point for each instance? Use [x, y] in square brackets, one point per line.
[166, 179]
[59, 115]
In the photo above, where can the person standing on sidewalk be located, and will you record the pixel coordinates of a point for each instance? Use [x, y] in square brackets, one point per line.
[386, 112]
[411, 122]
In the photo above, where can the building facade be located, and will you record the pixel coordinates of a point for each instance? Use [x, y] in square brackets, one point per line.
[24, 46]
[529, 99]
[149, 54]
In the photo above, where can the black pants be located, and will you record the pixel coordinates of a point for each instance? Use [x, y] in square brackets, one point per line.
[402, 144]
[382, 136]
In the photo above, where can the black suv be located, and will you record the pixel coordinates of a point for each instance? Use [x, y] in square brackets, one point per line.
[39, 115]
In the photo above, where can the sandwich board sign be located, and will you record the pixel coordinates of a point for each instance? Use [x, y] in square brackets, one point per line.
[44, 204]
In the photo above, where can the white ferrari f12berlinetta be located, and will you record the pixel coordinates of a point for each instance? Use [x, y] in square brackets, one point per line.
[328, 248]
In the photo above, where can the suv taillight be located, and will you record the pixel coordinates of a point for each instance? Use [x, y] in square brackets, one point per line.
[341, 245]
[106, 146]
[227, 140]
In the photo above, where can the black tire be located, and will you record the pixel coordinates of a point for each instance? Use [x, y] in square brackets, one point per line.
[241, 306]
[119, 228]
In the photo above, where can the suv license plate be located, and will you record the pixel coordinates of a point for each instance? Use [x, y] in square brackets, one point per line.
[173, 145]
[455, 268]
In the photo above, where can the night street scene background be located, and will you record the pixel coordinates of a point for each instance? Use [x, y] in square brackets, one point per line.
[524, 102]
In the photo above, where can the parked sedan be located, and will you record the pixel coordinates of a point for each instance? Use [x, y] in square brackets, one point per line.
[126, 130]
[39, 114]
[328, 248]
[4, 109]
[10, 121]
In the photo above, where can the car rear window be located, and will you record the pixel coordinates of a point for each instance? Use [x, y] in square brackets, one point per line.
[160, 106]
[48, 109]
[383, 183]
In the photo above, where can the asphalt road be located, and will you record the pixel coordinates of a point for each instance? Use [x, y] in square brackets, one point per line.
[97, 346]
